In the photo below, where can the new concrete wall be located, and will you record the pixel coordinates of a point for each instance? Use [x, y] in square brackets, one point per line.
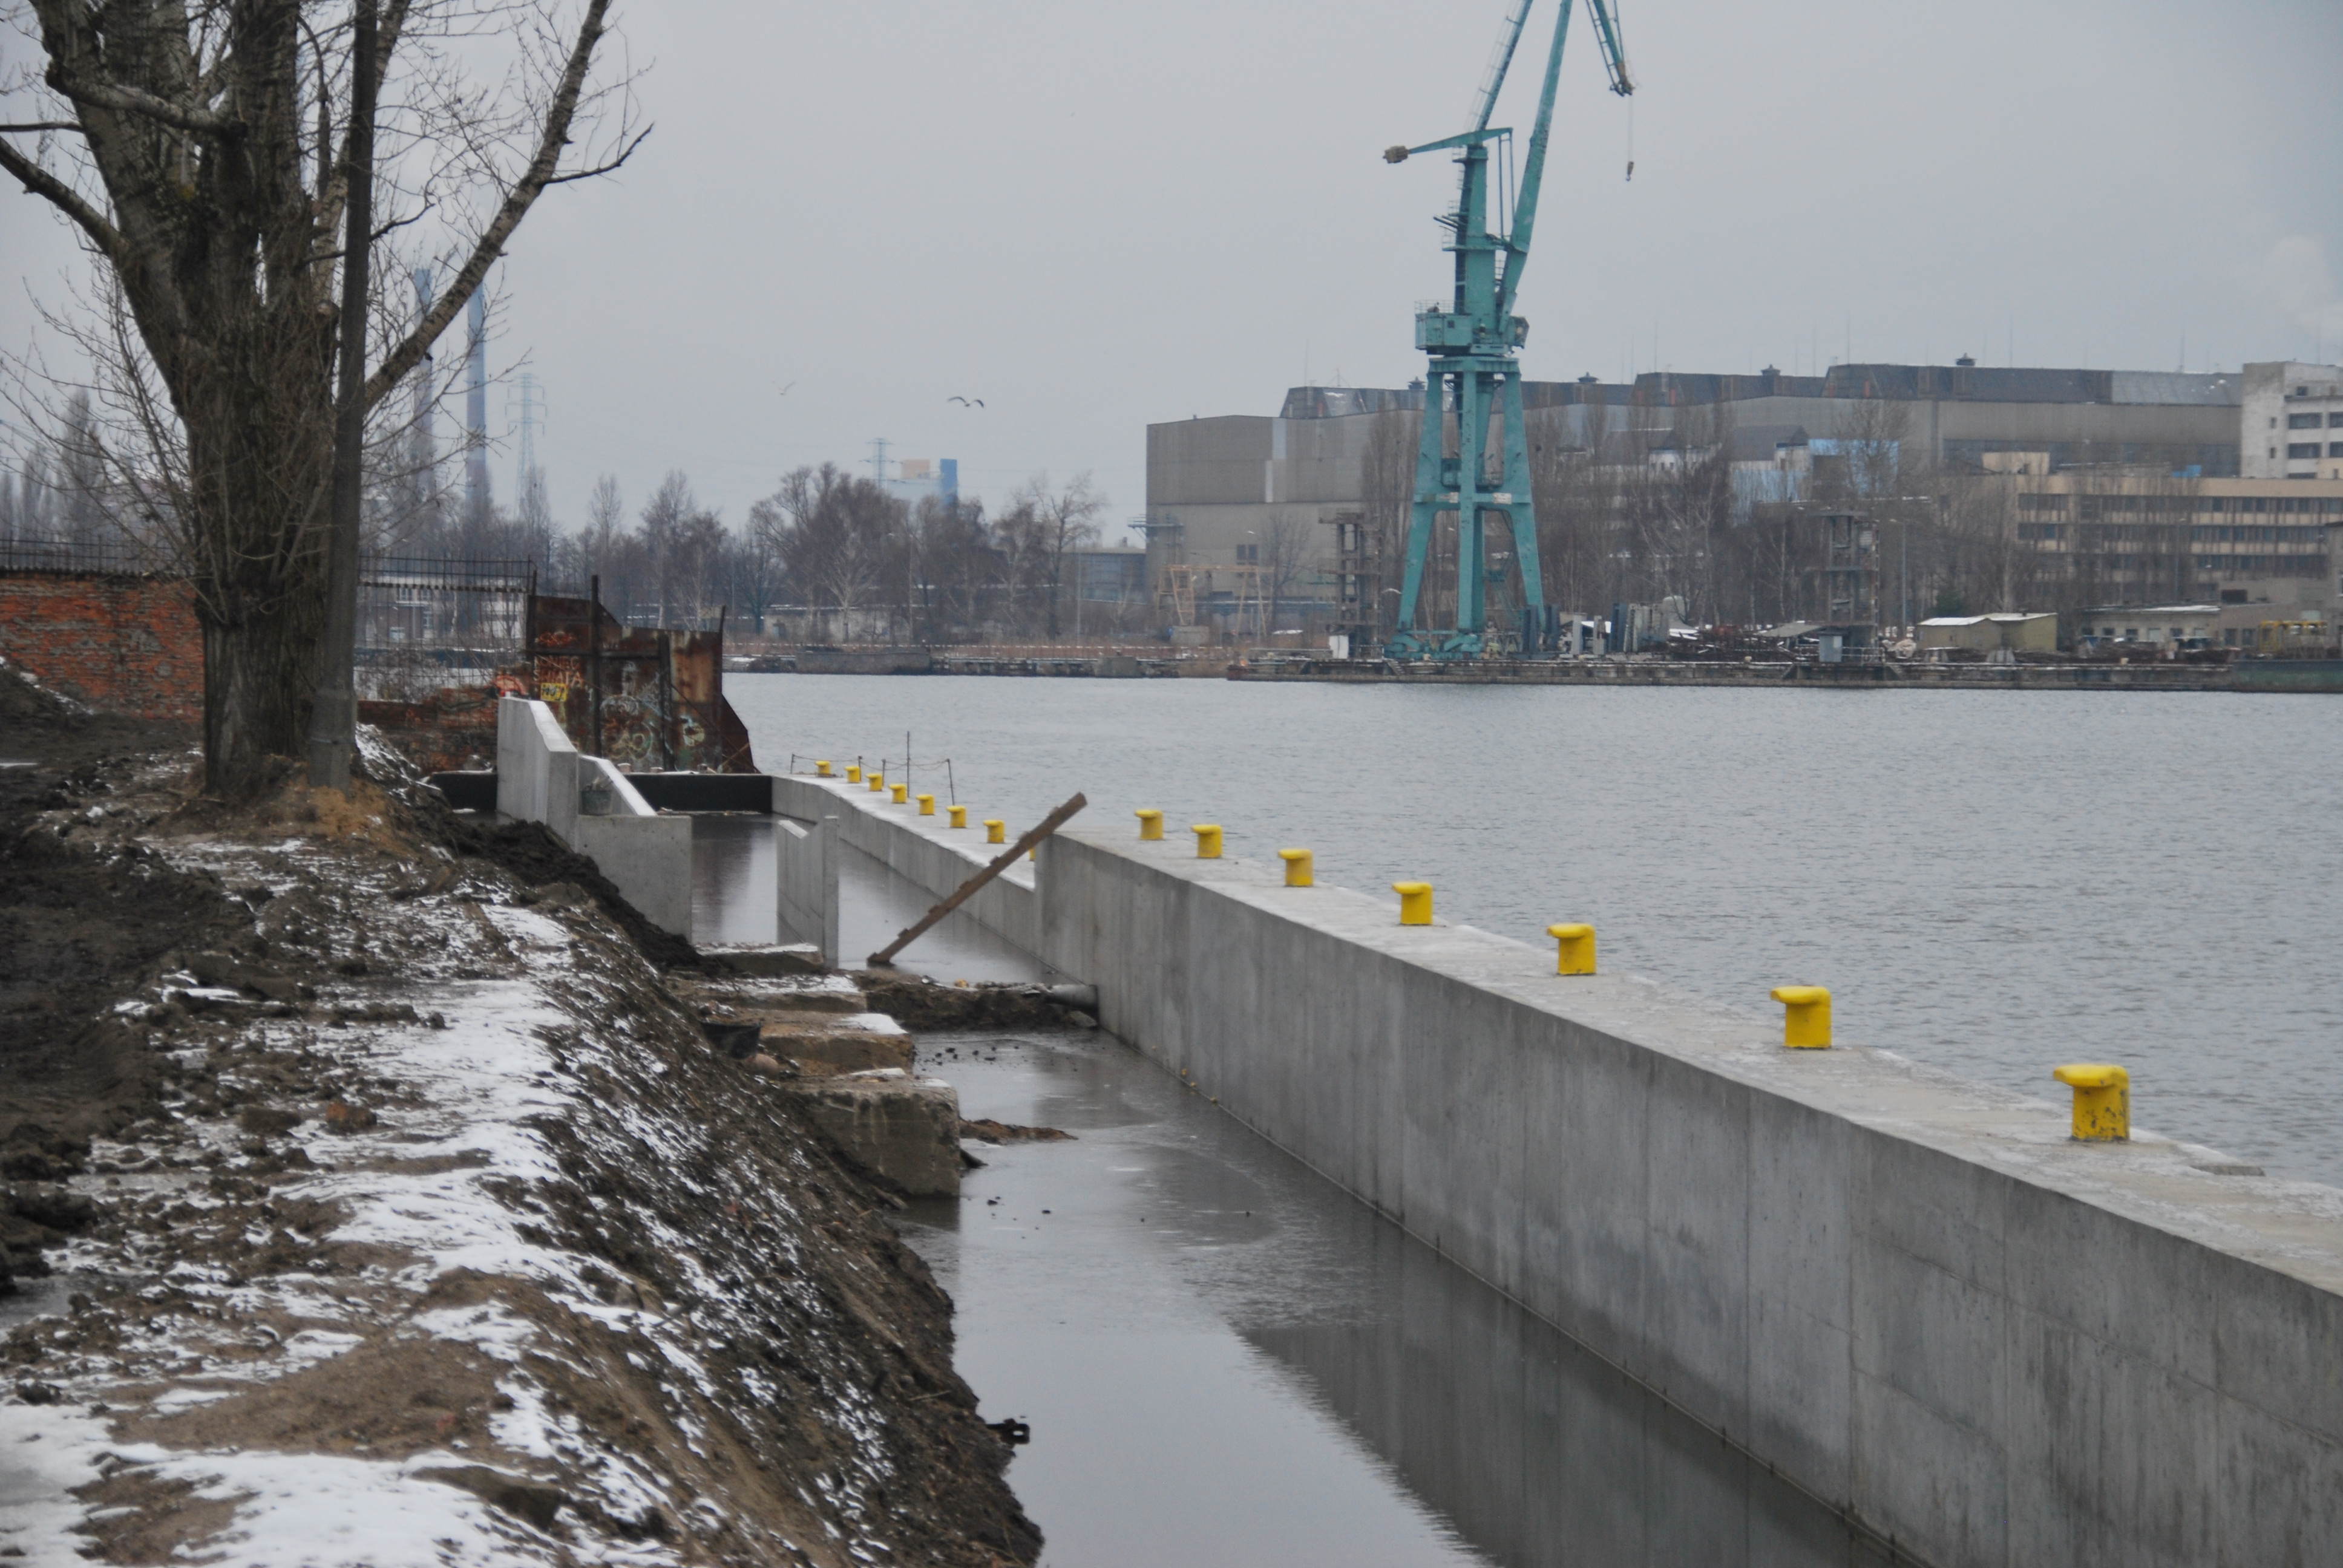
[589, 805]
[805, 883]
[922, 849]
[1914, 1296]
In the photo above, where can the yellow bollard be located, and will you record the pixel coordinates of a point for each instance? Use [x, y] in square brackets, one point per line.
[927, 805]
[1207, 840]
[1414, 902]
[1805, 1018]
[1299, 868]
[820, 768]
[1575, 955]
[1150, 823]
[878, 781]
[897, 792]
[2102, 1100]
[958, 816]
[854, 773]
[994, 830]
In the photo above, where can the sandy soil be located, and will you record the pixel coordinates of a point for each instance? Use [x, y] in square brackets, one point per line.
[406, 1216]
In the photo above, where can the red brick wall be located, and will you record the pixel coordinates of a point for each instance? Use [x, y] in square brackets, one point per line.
[123, 644]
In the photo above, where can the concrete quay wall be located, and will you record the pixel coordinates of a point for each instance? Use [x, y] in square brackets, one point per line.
[1914, 1296]
[923, 850]
[594, 809]
[805, 884]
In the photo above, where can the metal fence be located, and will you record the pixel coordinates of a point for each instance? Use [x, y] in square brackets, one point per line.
[76, 558]
[413, 602]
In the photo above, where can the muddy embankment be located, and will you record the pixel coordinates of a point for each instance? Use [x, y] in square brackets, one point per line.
[384, 1203]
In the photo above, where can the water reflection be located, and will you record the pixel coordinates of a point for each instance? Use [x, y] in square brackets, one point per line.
[732, 892]
[1226, 1361]
[875, 902]
[734, 901]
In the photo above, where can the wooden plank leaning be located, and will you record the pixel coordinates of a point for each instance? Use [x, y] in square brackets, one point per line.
[961, 895]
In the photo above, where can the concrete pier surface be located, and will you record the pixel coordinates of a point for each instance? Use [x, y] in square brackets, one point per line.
[1911, 1294]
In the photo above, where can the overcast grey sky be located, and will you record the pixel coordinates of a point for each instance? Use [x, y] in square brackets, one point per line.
[1094, 216]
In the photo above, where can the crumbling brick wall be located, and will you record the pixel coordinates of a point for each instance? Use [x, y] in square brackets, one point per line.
[452, 729]
[120, 643]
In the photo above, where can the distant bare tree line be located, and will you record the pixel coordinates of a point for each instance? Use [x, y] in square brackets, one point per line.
[860, 562]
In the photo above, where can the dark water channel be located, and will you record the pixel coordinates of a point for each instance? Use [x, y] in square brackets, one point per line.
[1226, 1361]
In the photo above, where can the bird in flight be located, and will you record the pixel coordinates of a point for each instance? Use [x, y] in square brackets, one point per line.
[966, 402]
[785, 390]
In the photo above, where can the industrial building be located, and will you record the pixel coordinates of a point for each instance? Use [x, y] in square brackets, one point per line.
[2188, 488]
[2015, 631]
[2093, 536]
[2293, 422]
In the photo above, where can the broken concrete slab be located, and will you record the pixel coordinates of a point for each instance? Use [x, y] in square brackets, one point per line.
[904, 1129]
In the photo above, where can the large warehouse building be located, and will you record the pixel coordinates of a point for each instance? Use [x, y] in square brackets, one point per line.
[1237, 504]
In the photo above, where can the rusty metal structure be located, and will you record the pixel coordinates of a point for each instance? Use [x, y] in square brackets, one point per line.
[648, 698]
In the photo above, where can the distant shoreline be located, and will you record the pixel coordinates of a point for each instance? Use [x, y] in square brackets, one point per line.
[2293, 674]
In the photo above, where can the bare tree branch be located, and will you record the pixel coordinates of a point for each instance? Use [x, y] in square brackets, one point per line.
[540, 174]
[42, 126]
[607, 166]
[132, 101]
[37, 181]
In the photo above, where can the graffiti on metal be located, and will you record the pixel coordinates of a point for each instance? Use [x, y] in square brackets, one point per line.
[648, 698]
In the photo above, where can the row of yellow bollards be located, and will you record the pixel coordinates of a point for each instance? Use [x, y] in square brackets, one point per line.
[2102, 1110]
[996, 829]
[2102, 1091]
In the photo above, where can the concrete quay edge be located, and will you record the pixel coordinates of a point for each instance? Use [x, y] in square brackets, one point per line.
[2293, 1226]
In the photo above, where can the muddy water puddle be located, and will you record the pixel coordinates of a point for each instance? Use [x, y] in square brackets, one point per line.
[1225, 1359]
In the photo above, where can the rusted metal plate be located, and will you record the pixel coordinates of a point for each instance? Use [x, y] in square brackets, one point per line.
[645, 697]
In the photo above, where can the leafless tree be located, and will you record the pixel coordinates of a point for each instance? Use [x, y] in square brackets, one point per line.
[1289, 549]
[201, 153]
[1041, 528]
[1387, 483]
[833, 533]
[957, 568]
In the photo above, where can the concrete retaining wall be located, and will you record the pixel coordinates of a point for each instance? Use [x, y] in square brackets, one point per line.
[921, 850]
[1914, 1296]
[805, 883]
[589, 805]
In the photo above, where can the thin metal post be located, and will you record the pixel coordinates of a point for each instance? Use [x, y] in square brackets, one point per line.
[594, 663]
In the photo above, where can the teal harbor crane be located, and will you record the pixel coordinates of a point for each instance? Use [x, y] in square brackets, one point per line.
[1473, 374]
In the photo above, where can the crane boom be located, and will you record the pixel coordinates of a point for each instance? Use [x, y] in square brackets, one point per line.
[1501, 60]
[1615, 60]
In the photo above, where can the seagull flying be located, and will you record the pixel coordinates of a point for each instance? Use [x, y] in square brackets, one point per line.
[966, 402]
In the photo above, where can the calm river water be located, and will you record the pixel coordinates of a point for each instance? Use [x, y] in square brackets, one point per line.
[1990, 882]
[1226, 1361]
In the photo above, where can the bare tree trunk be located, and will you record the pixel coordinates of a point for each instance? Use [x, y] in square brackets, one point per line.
[208, 185]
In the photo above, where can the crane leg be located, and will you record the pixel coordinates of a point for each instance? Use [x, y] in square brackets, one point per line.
[1421, 516]
[1522, 512]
